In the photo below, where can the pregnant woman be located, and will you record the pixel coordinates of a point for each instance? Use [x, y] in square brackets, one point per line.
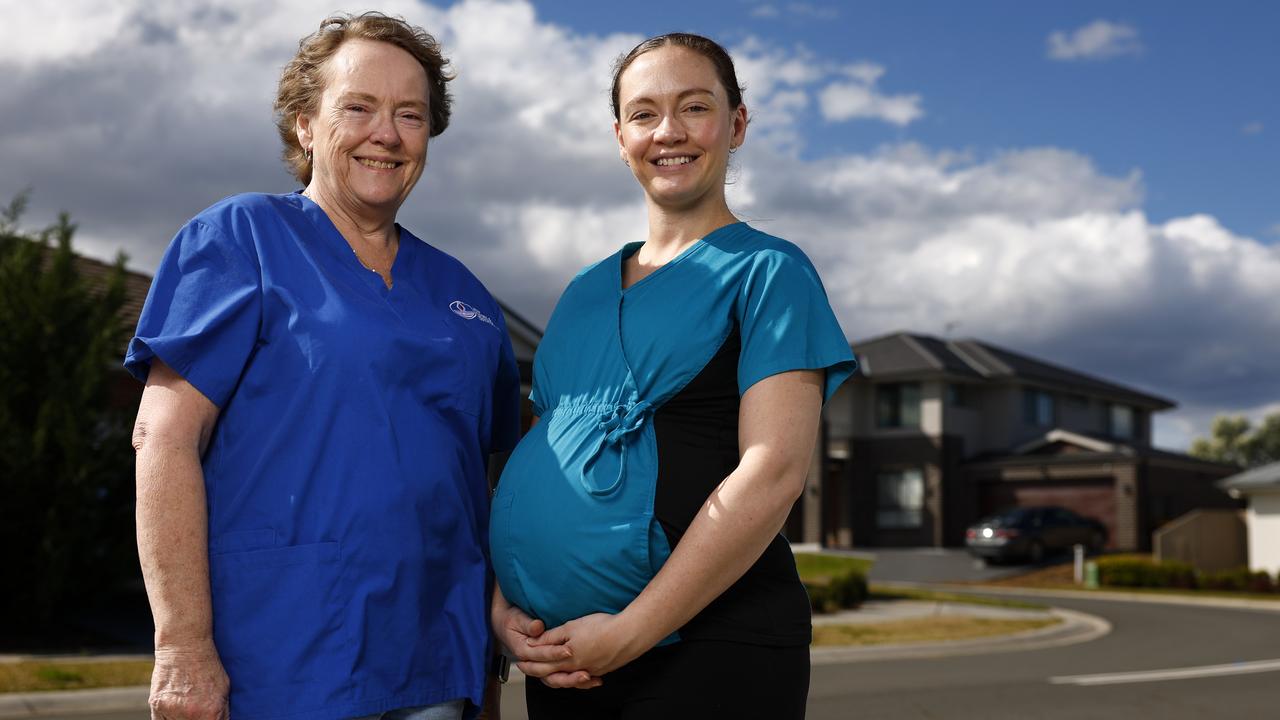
[679, 386]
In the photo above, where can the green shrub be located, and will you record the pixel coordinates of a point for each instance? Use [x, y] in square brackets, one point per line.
[1240, 580]
[839, 591]
[849, 590]
[1142, 571]
[1235, 579]
[821, 599]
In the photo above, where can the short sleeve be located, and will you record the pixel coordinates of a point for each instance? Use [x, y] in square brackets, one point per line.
[787, 323]
[535, 399]
[505, 431]
[202, 314]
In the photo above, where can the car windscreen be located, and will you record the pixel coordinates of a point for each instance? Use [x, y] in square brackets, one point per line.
[1008, 518]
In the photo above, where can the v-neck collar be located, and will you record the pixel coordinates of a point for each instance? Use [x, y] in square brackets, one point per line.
[325, 227]
[632, 248]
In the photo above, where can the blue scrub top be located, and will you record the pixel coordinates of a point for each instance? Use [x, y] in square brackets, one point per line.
[573, 528]
[347, 498]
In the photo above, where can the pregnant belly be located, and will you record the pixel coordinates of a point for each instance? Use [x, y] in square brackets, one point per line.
[560, 552]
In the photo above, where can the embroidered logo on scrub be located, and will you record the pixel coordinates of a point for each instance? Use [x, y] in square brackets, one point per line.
[467, 312]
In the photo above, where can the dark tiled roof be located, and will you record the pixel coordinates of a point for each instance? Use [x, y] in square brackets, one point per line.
[905, 354]
[136, 285]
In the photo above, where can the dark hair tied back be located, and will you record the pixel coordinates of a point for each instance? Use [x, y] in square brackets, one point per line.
[705, 47]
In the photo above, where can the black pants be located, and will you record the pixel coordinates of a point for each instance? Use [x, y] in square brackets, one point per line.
[703, 679]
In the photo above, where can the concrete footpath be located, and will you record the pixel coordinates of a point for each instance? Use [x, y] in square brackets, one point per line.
[1075, 627]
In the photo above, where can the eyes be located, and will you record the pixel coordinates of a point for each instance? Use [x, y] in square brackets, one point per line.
[407, 117]
[694, 108]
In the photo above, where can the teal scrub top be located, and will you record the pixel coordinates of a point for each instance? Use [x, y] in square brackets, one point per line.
[573, 529]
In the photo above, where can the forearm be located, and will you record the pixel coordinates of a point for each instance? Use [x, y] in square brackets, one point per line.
[730, 532]
[172, 524]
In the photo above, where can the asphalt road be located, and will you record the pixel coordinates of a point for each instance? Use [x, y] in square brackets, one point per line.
[1017, 684]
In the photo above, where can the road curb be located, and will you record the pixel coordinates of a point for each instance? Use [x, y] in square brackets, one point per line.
[1114, 595]
[41, 704]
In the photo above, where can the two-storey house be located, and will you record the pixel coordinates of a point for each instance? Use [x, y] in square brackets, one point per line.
[933, 434]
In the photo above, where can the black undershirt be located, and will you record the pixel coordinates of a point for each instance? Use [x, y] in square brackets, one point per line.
[697, 439]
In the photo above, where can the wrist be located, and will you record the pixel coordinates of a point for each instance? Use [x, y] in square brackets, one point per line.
[176, 643]
[638, 632]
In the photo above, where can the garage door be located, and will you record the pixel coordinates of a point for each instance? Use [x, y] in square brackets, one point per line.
[1095, 498]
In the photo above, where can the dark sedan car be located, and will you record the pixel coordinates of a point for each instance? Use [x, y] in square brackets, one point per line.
[1031, 533]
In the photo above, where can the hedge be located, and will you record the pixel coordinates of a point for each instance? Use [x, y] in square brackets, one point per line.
[847, 590]
[1240, 580]
[1143, 571]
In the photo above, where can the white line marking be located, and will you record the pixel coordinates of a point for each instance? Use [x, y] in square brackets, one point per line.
[1239, 668]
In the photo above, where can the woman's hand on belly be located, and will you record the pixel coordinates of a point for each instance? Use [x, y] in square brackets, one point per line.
[599, 644]
[518, 633]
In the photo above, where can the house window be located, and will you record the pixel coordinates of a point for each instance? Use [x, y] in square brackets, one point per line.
[1037, 408]
[957, 395]
[898, 405]
[900, 500]
[1121, 422]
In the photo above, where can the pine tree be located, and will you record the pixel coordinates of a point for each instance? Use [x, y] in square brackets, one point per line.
[66, 479]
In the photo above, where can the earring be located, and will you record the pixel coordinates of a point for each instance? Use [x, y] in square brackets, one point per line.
[307, 153]
[626, 162]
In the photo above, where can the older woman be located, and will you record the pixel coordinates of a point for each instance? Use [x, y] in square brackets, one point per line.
[322, 391]
[679, 384]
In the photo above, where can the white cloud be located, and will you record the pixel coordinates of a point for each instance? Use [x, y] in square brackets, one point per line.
[847, 101]
[1098, 40]
[52, 32]
[781, 83]
[1032, 248]
[1253, 128]
[796, 11]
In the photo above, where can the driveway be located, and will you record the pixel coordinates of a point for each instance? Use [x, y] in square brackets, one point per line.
[933, 565]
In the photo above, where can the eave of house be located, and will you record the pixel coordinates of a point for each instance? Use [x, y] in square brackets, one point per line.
[1264, 479]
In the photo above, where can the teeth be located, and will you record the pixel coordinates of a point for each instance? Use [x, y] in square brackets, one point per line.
[377, 164]
[675, 160]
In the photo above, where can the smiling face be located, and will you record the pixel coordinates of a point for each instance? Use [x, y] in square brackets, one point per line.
[368, 136]
[675, 127]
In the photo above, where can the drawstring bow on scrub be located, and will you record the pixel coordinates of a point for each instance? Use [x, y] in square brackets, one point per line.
[617, 424]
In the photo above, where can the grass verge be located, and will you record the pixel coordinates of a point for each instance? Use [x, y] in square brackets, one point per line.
[921, 630]
[32, 676]
[819, 567]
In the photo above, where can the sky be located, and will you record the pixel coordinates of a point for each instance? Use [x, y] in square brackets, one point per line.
[1091, 183]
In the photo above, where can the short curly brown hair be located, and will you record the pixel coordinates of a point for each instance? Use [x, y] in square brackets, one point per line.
[302, 80]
